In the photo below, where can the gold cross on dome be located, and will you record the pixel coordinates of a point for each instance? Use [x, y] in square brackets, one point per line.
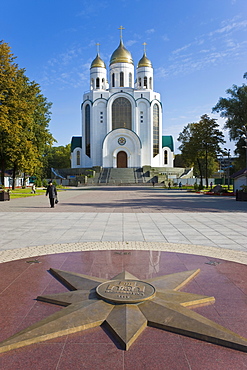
[144, 44]
[121, 28]
[97, 45]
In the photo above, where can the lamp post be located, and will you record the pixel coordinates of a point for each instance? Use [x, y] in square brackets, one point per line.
[228, 167]
[221, 162]
[244, 136]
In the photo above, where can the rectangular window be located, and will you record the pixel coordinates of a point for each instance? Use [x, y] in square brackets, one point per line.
[78, 157]
[155, 130]
[87, 130]
[121, 79]
[130, 79]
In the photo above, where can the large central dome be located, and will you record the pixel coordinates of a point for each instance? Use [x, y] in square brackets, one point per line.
[121, 55]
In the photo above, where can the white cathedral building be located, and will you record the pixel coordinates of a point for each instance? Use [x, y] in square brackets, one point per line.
[121, 117]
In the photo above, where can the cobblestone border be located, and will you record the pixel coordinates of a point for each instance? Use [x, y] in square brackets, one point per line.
[200, 250]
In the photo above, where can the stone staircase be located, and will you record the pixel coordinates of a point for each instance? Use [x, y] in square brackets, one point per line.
[121, 176]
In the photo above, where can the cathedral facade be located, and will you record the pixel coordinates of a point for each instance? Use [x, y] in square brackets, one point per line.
[121, 117]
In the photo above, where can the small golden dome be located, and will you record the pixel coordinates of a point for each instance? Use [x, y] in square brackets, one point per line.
[144, 62]
[98, 62]
[121, 55]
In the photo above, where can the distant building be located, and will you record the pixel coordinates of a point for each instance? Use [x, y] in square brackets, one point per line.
[240, 179]
[121, 117]
[8, 180]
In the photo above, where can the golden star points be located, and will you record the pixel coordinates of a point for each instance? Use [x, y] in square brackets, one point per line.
[126, 305]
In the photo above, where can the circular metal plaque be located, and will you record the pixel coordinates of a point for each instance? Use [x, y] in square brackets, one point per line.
[121, 141]
[125, 291]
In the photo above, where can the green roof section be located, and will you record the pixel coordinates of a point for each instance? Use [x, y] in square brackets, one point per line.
[168, 141]
[76, 142]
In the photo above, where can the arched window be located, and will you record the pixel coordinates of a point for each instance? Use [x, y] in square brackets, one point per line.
[155, 130]
[150, 83]
[165, 157]
[121, 79]
[78, 158]
[145, 82]
[113, 80]
[92, 82]
[87, 130]
[130, 79]
[103, 83]
[121, 114]
[97, 83]
[140, 81]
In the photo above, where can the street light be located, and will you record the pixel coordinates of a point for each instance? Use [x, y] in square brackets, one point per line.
[244, 136]
[228, 167]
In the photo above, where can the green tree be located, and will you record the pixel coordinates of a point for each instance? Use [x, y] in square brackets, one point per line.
[56, 157]
[200, 144]
[179, 161]
[24, 117]
[234, 109]
[8, 70]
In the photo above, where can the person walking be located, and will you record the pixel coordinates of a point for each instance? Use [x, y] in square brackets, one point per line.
[52, 191]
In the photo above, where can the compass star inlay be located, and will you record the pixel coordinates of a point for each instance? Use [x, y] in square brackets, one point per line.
[126, 305]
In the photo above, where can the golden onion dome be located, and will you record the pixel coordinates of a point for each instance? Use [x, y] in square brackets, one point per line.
[121, 55]
[98, 62]
[144, 62]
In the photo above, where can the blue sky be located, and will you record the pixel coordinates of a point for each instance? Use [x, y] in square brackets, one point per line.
[198, 49]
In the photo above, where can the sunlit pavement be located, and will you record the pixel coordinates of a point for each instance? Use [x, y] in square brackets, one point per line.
[102, 231]
[102, 217]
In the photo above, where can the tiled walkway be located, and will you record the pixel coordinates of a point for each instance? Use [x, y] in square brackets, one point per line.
[102, 217]
[102, 231]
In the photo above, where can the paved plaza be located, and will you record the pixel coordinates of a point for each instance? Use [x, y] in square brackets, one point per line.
[124, 218]
[102, 231]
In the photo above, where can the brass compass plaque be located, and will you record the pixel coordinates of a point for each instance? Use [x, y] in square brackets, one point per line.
[133, 305]
[125, 291]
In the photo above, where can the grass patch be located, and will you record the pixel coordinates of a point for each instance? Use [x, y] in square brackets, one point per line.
[24, 193]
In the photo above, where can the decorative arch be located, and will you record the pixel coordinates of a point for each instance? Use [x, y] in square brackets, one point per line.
[121, 140]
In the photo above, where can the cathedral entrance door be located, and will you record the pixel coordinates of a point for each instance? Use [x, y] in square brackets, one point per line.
[122, 159]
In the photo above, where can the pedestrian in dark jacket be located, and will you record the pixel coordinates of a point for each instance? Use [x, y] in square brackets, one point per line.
[52, 191]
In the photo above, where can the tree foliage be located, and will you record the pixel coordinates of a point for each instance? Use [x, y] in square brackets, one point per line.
[56, 157]
[24, 117]
[234, 109]
[200, 144]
